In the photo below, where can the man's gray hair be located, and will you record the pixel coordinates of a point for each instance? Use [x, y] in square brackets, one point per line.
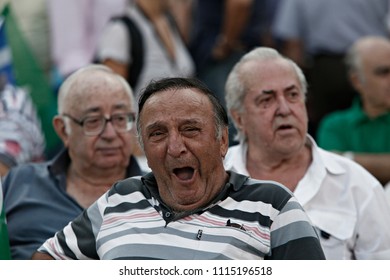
[76, 79]
[353, 58]
[235, 88]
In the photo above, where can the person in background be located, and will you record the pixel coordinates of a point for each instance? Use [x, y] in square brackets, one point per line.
[182, 11]
[21, 136]
[317, 35]
[163, 51]
[188, 207]
[222, 31]
[22, 133]
[95, 123]
[265, 95]
[362, 132]
[75, 27]
[150, 47]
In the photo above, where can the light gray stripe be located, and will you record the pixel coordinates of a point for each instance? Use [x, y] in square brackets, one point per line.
[139, 251]
[95, 217]
[292, 232]
[291, 205]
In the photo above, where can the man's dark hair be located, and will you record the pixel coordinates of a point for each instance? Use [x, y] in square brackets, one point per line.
[155, 86]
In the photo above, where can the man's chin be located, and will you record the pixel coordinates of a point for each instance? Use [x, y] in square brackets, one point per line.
[109, 152]
[188, 200]
[187, 205]
[110, 162]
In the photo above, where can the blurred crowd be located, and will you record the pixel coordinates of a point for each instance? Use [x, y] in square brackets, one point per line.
[144, 40]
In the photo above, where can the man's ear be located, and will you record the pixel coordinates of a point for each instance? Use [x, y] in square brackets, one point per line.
[355, 81]
[60, 128]
[224, 142]
[237, 119]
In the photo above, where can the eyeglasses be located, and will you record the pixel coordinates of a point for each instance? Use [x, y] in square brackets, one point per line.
[94, 125]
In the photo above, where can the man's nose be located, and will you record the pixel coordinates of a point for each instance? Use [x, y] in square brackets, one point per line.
[283, 106]
[108, 130]
[176, 145]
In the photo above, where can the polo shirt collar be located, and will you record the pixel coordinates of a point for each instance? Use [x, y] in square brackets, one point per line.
[60, 163]
[357, 110]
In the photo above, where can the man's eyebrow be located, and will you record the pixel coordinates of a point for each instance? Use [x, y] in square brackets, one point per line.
[292, 87]
[159, 124]
[271, 91]
[153, 126]
[268, 91]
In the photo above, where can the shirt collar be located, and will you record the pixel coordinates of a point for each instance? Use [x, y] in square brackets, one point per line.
[310, 183]
[235, 159]
[324, 159]
[323, 162]
[60, 163]
[356, 108]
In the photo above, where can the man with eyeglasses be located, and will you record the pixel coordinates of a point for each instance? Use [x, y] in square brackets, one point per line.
[95, 124]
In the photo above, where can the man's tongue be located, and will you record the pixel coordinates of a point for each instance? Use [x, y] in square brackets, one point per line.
[185, 173]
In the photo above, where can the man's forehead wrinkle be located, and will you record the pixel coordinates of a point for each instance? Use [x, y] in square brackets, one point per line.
[94, 109]
[178, 120]
[190, 104]
[82, 93]
[190, 94]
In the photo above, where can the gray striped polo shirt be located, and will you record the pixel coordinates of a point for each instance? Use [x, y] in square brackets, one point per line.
[250, 219]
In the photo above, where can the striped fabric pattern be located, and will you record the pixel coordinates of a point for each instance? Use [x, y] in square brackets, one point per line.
[251, 219]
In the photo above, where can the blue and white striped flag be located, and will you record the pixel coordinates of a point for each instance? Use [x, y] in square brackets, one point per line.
[5, 56]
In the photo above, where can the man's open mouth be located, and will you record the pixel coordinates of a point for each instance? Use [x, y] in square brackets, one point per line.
[184, 173]
[285, 126]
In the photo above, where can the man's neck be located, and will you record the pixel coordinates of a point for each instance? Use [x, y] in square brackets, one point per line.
[374, 112]
[285, 169]
[96, 176]
[86, 187]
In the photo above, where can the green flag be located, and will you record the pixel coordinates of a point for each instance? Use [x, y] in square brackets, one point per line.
[5, 253]
[30, 75]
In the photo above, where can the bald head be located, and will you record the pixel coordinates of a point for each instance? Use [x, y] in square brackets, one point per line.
[84, 82]
[364, 49]
[368, 61]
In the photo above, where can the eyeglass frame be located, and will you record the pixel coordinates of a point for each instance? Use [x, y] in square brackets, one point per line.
[106, 120]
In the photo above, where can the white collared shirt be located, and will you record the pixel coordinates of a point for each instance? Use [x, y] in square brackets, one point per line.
[343, 200]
